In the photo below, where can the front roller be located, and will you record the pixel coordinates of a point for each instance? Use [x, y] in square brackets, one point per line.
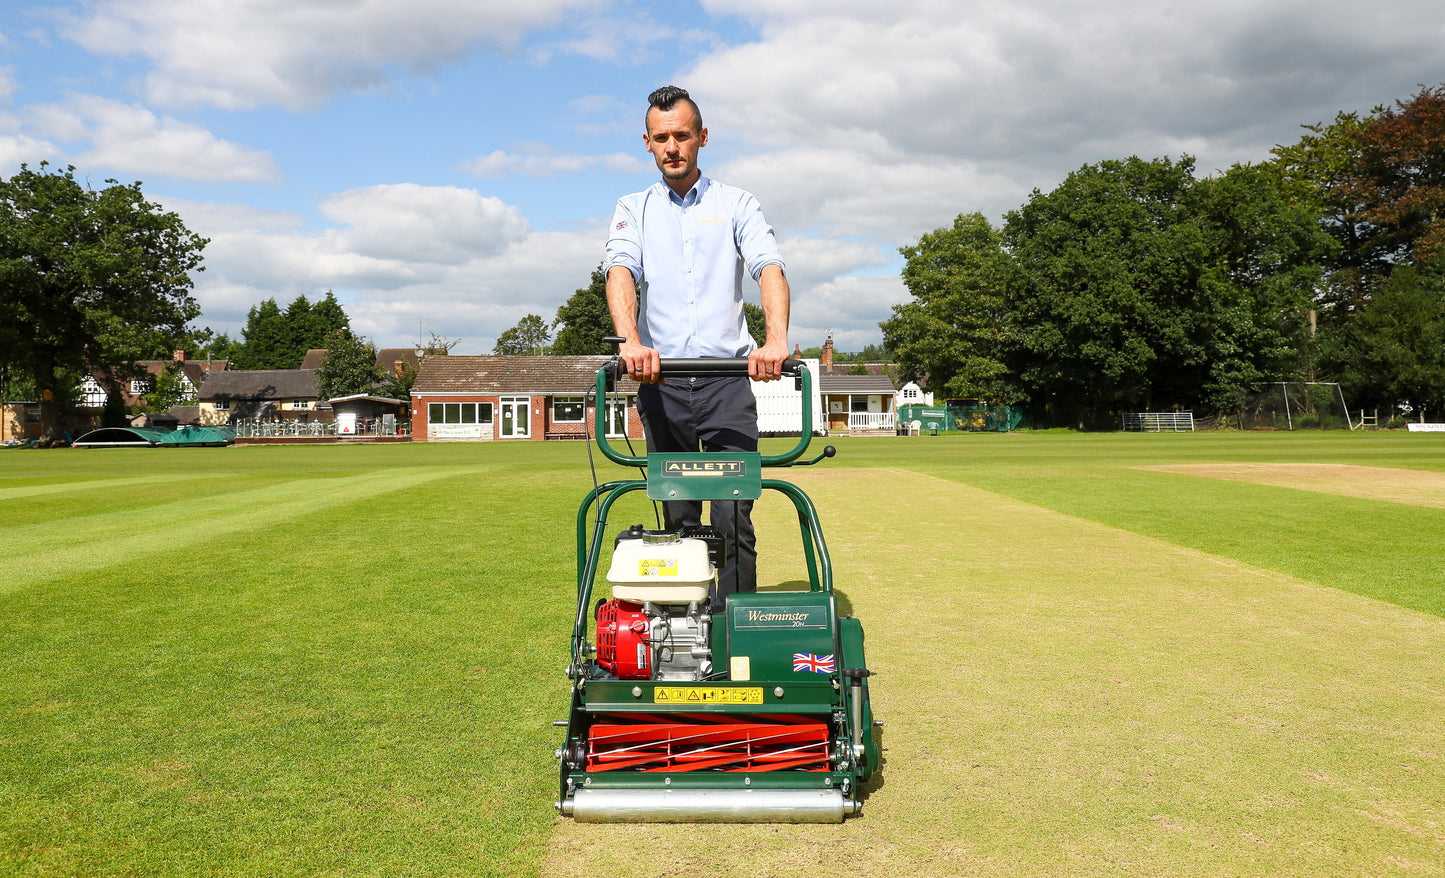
[707, 806]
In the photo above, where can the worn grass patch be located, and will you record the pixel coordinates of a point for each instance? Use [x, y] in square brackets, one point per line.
[1410, 486]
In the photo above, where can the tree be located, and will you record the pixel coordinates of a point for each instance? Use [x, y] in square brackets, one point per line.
[205, 344]
[437, 345]
[1399, 342]
[87, 279]
[168, 389]
[325, 317]
[1109, 263]
[1398, 180]
[265, 342]
[398, 384]
[1313, 174]
[957, 331]
[276, 339]
[349, 366]
[873, 353]
[583, 320]
[757, 323]
[527, 339]
[1139, 287]
[1267, 264]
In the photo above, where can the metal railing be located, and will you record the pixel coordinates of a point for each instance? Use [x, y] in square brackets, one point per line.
[1156, 422]
[257, 428]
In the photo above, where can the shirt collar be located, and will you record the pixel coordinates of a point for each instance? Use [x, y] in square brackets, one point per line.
[693, 196]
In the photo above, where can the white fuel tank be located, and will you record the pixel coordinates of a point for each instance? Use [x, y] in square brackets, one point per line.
[661, 568]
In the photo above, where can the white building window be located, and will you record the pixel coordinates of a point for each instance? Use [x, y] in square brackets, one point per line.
[300, 403]
[139, 386]
[568, 410]
[459, 413]
[223, 405]
[92, 395]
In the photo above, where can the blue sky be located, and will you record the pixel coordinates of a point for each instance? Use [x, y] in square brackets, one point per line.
[448, 166]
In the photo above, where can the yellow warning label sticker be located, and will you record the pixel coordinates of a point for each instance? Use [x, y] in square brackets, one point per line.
[657, 567]
[710, 695]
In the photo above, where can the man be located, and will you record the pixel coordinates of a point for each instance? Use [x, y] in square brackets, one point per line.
[675, 261]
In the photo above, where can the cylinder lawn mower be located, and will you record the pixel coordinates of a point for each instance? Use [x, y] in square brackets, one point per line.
[760, 715]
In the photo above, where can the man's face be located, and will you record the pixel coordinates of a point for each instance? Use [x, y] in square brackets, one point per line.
[673, 137]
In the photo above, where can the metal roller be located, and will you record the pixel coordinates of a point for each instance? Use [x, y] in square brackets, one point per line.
[708, 806]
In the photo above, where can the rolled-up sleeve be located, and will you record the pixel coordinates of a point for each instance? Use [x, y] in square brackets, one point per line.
[624, 241]
[755, 240]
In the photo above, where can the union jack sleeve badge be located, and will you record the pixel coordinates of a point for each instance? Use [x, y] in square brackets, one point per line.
[806, 661]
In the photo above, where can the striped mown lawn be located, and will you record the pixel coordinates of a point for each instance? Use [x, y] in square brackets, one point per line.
[347, 660]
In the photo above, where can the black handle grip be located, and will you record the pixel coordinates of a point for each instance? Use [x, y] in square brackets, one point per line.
[703, 367]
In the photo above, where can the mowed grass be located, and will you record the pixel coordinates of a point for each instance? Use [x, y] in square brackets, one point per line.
[282, 661]
[347, 660]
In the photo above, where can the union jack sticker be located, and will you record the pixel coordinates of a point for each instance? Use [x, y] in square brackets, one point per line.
[806, 661]
[622, 225]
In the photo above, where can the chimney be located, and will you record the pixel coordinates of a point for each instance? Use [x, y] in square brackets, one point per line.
[797, 351]
[826, 360]
[179, 355]
[397, 367]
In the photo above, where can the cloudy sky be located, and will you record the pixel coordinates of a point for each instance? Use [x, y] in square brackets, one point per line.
[447, 166]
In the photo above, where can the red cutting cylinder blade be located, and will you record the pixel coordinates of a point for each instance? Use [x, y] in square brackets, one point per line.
[698, 742]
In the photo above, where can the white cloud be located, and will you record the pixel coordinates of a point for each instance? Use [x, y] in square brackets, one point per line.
[847, 193]
[209, 218]
[17, 149]
[860, 125]
[131, 139]
[814, 261]
[422, 224]
[874, 116]
[625, 39]
[462, 264]
[540, 161]
[848, 308]
[238, 54]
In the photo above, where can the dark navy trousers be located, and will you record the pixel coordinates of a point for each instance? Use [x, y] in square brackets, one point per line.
[708, 414]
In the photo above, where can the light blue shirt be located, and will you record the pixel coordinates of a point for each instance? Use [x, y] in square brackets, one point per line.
[687, 256]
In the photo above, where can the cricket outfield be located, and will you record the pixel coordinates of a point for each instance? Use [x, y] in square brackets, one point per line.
[1096, 654]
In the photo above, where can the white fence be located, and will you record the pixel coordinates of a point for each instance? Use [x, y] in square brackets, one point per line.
[1156, 422]
[871, 420]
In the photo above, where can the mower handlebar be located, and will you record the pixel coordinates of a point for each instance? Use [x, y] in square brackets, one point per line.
[699, 368]
[676, 367]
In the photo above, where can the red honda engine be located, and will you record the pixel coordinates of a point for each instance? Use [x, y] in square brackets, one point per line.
[622, 640]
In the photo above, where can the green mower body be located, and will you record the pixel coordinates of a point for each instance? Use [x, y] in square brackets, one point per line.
[760, 714]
